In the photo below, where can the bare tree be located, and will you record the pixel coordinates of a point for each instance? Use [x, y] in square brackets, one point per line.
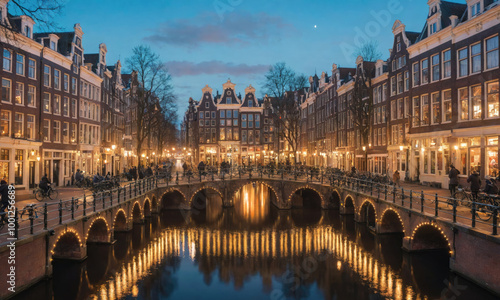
[43, 12]
[361, 105]
[281, 85]
[151, 94]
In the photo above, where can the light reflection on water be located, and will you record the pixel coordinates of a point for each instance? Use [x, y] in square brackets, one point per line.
[283, 254]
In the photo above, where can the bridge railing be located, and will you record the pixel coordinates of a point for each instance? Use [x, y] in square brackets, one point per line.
[464, 209]
[35, 218]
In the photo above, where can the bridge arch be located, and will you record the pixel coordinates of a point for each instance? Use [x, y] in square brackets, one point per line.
[316, 201]
[429, 236]
[193, 197]
[154, 203]
[391, 222]
[348, 205]
[172, 198]
[136, 213]
[334, 200]
[257, 182]
[120, 221]
[146, 207]
[367, 213]
[68, 245]
[98, 231]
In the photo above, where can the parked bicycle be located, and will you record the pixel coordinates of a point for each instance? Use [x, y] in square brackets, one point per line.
[24, 214]
[77, 203]
[485, 204]
[41, 194]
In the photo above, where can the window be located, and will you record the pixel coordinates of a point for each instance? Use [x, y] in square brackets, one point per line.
[32, 68]
[394, 110]
[393, 86]
[416, 74]
[57, 104]
[492, 53]
[416, 111]
[7, 60]
[400, 83]
[435, 68]
[385, 94]
[235, 113]
[30, 127]
[206, 104]
[475, 52]
[425, 109]
[66, 106]
[250, 103]
[53, 45]
[66, 82]
[243, 136]
[222, 113]
[20, 64]
[6, 90]
[57, 131]
[31, 95]
[436, 108]
[5, 123]
[463, 62]
[250, 120]
[425, 71]
[74, 86]
[27, 31]
[229, 113]
[46, 130]
[447, 106]
[18, 125]
[492, 99]
[476, 93]
[202, 115]
[46, 75]
[57, 79]
[475, 9]
[400, 108]
[463, 98]
[447, 64]
[46, 103]
[74, 132]
[73, 108]
[257, 119]
[207, 115]
[244, 120]
[433, 28]
[19, 93]
[65, 132]
[407, 80]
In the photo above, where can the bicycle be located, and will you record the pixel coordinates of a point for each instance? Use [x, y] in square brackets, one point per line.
[51, 193]
[485, 204]
[24, 214]
[67, 204]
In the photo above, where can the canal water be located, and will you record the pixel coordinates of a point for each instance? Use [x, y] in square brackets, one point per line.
[253, 251]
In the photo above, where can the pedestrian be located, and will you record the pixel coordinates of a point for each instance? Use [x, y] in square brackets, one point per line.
[453, 175]
[396, 177]
[475, 184]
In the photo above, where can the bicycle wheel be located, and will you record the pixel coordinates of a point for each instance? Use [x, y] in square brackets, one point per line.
[462, 199]
[39, 196]
[53, 194]
[484, 213]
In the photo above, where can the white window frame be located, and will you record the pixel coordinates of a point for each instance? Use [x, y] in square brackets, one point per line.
[33, 128]
[10, 90]
[23, 64]
[34, 96]
[443, 63]
[443, 112]
[495, 49]
[459, 60]
[34, 68]
[471, 66]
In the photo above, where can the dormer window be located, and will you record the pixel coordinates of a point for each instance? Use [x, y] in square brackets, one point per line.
[250, 103]
[53, 45]
[432, 28]
[475, 9]
[27, 31]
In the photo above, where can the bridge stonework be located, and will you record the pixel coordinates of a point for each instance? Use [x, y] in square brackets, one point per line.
[473, 253]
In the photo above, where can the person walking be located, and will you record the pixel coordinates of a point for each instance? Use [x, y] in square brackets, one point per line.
[396, 177]
[453, 175]
[475, 184]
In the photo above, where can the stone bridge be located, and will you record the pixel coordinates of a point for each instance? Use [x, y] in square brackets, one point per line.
[473, 252]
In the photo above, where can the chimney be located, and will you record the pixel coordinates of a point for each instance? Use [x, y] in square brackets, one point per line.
[454, 21]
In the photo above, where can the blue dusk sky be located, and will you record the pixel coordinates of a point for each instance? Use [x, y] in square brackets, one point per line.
[208, 41]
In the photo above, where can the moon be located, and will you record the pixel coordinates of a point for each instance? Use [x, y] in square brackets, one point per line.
[315, 26]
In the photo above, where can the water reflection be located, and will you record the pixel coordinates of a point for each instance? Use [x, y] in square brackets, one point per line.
[331, 258]
[252, 203]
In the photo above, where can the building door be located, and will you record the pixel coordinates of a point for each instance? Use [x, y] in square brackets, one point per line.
[32, 174]
[55, 174]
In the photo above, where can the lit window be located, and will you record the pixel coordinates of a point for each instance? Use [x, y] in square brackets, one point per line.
[492, 99]
[447, 106]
